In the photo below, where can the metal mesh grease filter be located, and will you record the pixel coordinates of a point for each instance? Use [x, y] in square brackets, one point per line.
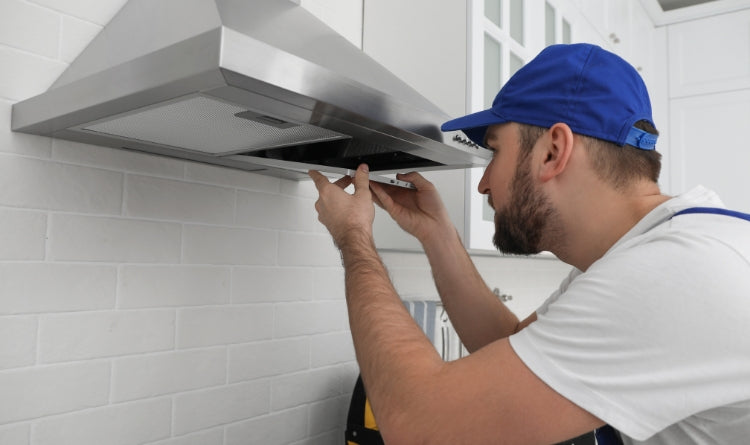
[208, 125]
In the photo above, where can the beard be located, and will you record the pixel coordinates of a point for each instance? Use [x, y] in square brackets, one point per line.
[521, 224]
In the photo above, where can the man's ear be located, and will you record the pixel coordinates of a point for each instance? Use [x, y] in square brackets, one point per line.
[557, 151]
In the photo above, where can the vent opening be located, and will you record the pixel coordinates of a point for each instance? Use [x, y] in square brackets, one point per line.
[345, 154]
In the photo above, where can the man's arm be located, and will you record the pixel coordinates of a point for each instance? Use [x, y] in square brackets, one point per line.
[476, 313]
[489, 396]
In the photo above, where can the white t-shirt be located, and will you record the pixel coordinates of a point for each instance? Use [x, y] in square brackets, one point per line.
[654, 338]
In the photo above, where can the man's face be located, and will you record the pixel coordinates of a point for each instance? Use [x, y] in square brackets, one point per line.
[522, 211]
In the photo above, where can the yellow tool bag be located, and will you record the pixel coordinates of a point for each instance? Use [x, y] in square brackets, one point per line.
[361, 428]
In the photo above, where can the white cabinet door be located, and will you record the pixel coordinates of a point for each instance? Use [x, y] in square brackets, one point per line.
[562, 22]
[622, 26]
[618, 27]
[596, 13]
[710, 55]
[643, 44]
[710, 145]
[422, 44]
[709, 89]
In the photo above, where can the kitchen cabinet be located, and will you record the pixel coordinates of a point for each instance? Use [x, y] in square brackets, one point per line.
[709, 98]
[642, 50]
[709, 55]
[557, 25]
[595, 11]
[611, 20]
[709, 145]
[426, 47]
[623, 27]
[618, 28]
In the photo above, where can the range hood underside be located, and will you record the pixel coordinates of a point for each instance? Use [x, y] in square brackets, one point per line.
[206, 100]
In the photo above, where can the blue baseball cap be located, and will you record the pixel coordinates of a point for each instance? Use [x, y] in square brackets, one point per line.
[595, 92]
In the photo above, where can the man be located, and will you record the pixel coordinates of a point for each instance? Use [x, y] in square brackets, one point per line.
[648, 333]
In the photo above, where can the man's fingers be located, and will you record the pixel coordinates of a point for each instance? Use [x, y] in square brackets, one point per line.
[376, 190]
[344, 181]
[380, 196]
[318, 178]
[321, 180]
[362, 179]
[415, 178]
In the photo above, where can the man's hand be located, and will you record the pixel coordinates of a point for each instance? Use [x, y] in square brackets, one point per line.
[345, 215]
[421, 213]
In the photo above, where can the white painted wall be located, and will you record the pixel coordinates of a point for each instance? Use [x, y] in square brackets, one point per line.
[147, 300]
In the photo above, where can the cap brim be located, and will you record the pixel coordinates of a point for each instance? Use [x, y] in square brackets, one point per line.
[483, 118]
[474, 125]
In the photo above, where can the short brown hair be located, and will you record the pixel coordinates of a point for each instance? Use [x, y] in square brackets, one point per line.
[617, 165]
[621, 165]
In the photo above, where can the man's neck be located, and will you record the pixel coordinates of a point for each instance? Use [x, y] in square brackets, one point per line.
[593, 231]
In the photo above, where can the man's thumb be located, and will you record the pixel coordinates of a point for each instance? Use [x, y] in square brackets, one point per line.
[362, 178]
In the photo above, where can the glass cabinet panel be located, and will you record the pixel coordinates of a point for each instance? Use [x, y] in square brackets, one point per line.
[516, 21]
[566, 32]
[550, 30]
[493, 69]
[557, 28]
[515, 64]
[493, 10]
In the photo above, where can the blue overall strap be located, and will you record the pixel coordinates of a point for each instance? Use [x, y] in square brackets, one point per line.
[607, 435]
[714, 210]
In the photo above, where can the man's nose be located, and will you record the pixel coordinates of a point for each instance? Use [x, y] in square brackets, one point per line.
[483, 186]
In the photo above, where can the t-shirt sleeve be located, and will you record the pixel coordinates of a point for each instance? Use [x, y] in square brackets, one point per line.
[648, 337]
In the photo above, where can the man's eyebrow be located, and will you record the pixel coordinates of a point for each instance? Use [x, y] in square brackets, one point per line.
[489, 136]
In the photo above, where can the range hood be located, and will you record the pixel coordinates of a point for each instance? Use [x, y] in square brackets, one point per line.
[249, 84]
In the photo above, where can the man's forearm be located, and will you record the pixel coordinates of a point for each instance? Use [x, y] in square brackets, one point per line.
[376, 313]
[476, 313]
[391, 349]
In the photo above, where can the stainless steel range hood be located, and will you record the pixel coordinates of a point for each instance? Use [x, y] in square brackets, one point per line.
[239, 83]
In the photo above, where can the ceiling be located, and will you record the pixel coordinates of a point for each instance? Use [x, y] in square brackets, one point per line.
[669, 5]
[665, 12]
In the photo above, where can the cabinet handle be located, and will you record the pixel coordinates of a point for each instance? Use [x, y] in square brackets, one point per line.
[503, 297]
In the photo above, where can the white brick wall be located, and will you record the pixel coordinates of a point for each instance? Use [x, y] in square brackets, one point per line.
[148, 300]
